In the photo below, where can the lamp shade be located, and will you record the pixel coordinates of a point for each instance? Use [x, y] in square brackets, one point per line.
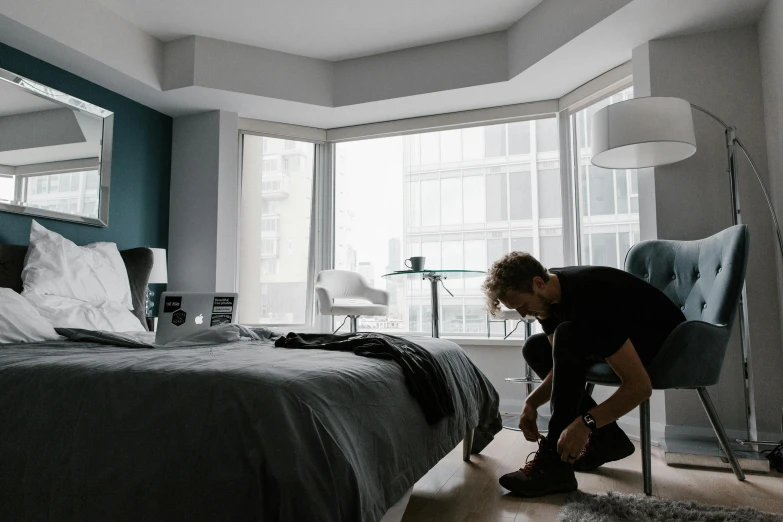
[160, 272]
[643, 132]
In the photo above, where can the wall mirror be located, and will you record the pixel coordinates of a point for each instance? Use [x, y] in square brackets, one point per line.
[55, 153]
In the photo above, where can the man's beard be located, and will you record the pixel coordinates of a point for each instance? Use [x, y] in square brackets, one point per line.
[544, 305]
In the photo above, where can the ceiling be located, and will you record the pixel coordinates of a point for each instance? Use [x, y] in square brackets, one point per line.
[329, 30]
[234, 59]
[15, 100]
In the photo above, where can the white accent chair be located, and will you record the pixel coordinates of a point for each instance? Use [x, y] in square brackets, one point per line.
[503, 315]
[340, 292]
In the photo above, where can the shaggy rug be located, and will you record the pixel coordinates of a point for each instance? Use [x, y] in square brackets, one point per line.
[615, 507]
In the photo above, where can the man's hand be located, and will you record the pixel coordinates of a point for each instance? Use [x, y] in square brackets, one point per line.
[527, 423]
[573, 440]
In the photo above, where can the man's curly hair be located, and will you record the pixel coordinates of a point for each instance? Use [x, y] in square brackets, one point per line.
[514, 271]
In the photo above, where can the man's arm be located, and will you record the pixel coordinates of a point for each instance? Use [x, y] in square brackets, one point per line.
[635, 389]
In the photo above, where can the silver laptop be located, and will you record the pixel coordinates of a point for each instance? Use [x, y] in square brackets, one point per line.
[184, 313]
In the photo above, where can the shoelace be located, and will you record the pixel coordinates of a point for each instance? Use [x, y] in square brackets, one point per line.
[587, 447]
[530, 465]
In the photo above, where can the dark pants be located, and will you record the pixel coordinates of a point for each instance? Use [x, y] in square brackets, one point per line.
[573, 352]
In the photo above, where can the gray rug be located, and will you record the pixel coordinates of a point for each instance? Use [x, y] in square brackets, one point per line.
[616, 507]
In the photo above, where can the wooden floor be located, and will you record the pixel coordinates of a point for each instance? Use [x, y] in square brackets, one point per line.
[469, 492]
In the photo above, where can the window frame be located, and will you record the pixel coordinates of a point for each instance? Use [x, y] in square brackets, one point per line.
[569, 163]
[318, 258]
[322, 222]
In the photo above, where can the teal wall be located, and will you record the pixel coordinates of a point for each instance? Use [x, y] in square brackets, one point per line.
[140, 170]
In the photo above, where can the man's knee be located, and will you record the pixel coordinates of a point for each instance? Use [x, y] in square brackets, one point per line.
[566, 340]
[536, 347]
[538, 354]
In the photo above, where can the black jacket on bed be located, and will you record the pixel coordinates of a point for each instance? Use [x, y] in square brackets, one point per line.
[424, 378]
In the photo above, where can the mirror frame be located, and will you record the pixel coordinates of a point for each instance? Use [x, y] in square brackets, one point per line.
[104, 168]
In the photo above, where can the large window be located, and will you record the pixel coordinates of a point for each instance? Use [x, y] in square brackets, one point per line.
[461, 198]
[608, 199]
[71, 192]
[277, 191]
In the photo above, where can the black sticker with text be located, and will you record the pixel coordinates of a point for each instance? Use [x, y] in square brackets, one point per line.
[218, 319]
[171, 304]
[179, 317]
[223, 305]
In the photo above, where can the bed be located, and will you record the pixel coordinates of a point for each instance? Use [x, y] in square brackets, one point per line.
[234, 431]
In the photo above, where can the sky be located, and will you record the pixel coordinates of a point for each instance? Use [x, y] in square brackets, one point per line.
[374, 191]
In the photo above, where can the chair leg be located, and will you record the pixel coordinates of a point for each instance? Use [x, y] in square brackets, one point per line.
[720, 432]
[354, 323]
[644, 432]
[467, 445]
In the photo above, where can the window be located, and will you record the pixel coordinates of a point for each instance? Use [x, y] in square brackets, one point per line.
[269, 165]
[547, 139]
[72, 192]
[494, 141]
[461, 198]
[519, 138]
[521, 192]
[7, 185]
[608, 199]
[274, 236]
[497, 197]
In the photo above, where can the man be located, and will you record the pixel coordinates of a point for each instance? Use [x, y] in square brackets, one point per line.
[589, 314]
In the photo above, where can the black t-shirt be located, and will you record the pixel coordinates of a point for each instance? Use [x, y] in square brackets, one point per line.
[613, 306]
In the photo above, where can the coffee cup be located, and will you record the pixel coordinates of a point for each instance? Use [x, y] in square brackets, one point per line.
[416, 263]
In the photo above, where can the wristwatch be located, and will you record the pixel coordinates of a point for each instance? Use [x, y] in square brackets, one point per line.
[589, 421]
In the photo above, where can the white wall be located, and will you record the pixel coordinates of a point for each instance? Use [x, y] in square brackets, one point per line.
[721, 71]
[204, 201]
[771, 51]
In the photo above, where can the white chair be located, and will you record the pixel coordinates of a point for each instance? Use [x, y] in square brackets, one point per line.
[355, 297]
[503, 315]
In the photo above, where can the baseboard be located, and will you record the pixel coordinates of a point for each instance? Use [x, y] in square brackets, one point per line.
[707, 434]
[631, 427]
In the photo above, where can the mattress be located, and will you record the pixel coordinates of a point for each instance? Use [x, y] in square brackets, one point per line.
[232, 431]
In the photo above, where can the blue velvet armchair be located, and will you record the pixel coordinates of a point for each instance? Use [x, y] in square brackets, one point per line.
[705, 278]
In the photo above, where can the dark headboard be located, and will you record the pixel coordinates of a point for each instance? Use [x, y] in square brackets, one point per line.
[138, 263]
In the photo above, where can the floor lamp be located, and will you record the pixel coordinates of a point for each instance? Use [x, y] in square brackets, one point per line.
[656, 131]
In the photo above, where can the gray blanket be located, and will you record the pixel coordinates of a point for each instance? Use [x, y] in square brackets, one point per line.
[233, 431]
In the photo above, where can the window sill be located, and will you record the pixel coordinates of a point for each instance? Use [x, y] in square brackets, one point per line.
[484, 341]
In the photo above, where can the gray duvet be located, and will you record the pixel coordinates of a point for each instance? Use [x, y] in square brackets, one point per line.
[233, 431]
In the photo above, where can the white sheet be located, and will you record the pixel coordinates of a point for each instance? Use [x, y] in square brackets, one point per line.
[20, 322]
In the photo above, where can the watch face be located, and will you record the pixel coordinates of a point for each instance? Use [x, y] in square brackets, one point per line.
[590, 421]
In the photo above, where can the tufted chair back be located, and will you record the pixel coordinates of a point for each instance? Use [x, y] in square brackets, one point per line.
[704, 278]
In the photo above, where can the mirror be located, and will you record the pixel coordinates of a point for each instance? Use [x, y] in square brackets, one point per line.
[55, 153]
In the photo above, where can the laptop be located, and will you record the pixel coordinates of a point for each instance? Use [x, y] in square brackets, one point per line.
[184, 313]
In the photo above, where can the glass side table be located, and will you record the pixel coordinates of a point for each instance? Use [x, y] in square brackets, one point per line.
[435, 277]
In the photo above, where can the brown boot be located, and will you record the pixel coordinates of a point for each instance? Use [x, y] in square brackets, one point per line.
[544, 475]
[605, 444]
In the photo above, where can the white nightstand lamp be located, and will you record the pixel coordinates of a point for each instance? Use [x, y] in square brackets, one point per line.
[158, 275]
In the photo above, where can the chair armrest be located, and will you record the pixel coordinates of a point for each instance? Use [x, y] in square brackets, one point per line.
[325, 300]
[692, 356]
[376, 295]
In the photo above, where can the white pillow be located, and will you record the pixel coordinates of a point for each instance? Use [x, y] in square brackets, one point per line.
[56, 266]
[63, 312]
[20, 322]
